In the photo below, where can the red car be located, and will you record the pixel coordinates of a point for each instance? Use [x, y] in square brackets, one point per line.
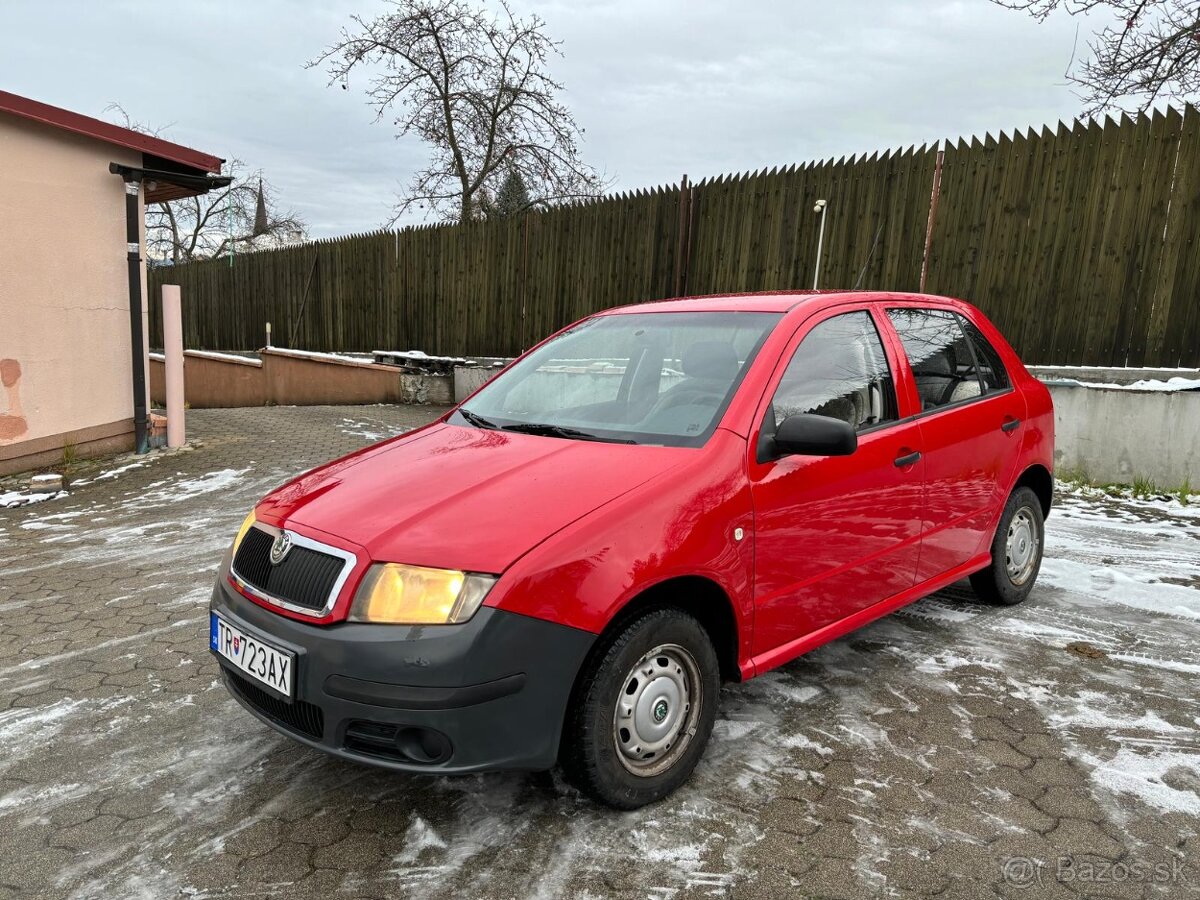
[658, 498]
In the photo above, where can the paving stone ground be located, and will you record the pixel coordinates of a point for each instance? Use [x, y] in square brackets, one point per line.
[951, 750]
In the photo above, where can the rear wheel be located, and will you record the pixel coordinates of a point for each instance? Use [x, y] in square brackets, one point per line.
[1016, 551]
[643, 711]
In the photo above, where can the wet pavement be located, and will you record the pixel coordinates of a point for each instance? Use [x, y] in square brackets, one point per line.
[951, 750]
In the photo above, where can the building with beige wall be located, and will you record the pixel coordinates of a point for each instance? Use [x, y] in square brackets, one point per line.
[66, 360]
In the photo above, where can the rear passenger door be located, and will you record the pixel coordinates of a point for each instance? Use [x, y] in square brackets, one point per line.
[834, 534]
[969, 418]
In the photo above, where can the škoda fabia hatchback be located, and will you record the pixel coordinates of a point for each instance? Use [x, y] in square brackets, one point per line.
[564, 568]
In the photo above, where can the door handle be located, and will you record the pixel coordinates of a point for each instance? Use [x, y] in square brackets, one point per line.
[1010, 425]
[907, 459]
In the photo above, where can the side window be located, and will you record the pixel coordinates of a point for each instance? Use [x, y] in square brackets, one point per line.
[942, 361]
[991, 367]
[839, 370]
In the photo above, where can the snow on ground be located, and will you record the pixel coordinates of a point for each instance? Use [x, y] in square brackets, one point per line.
[370, 430]
[10, 499]
[909, 757]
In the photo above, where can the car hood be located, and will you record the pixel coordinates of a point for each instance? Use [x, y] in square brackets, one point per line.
[463, 498]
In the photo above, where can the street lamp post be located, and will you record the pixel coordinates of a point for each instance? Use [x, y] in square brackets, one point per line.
[819, 207]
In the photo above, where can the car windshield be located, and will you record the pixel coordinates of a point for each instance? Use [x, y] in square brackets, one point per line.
[645, 378]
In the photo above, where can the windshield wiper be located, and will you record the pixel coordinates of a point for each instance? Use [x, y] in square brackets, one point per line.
[476, 420]
[548, 430]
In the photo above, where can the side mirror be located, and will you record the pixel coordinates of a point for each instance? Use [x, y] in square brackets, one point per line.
[806, 434]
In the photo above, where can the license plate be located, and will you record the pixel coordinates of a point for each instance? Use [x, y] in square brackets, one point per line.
[267, 665]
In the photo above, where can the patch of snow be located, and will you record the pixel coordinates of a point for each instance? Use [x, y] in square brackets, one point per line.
[1147, 776]
[804, 742]
[370, 431]
[419, 356]
[225, 357]
[324, 357]
[42, 799]
[419, 838]
[1171, 665]
[23, 727]
[112, 473]
[11, 499]
[1145, 385]
[1177, 383]
[209, 483]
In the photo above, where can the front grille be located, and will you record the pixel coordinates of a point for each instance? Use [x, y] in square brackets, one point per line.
[304, 578]
[298, 715]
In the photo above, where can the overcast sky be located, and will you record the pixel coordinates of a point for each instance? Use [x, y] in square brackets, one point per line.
[661, 88]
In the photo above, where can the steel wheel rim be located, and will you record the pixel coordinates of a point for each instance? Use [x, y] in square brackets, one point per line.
[1021, 547]
[658, 710]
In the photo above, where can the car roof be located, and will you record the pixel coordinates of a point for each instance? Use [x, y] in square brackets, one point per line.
[772, 301]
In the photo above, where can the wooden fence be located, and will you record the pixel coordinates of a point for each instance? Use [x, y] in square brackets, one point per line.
[1082, 244]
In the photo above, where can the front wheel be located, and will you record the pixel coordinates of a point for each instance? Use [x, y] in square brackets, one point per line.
[643, 711]
[1016, 551]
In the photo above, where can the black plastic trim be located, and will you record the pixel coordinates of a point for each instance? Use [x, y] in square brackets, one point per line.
[403, 696]
[514, 671]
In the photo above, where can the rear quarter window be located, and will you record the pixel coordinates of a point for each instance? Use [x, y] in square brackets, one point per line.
[991, 366]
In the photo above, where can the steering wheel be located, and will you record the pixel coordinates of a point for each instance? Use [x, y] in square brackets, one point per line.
[680, 395]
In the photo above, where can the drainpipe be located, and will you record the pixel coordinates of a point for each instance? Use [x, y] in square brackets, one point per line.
[133, 238]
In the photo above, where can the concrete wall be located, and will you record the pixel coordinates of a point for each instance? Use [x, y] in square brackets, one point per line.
[64, 296]
[293, 378]
[469, 379]
[1119, 435]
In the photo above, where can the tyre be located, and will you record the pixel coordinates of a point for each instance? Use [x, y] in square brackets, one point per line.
[643, 711]
[1016, 551]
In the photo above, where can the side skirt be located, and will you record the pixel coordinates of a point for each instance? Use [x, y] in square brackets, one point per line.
[777, 656]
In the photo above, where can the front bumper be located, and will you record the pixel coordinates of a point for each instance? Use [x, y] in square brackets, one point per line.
[448, 699]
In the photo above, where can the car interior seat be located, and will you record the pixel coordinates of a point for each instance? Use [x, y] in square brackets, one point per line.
[935, 378]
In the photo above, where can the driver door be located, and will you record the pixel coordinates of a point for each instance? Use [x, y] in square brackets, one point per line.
[837, 534]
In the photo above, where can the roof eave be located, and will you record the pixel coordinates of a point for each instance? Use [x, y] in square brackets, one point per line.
[56, 117]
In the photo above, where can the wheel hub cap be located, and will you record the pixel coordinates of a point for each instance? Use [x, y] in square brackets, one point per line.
[1021, 548]
[657, 711]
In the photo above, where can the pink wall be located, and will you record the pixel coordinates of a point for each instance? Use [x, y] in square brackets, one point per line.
[64, 295]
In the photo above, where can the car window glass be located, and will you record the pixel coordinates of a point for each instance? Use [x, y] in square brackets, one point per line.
[839, 370]
[941, 358]
[991, 367]
[661, 378]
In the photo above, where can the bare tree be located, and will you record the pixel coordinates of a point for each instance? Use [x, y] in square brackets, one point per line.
[475, 87]
[244, 216]
[1150, 52]
[241, 217]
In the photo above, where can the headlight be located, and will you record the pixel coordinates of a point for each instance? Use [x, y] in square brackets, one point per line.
[237, 541]
[411, 595]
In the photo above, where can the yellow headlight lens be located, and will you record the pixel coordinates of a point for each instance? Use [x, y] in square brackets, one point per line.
[246, 525]
[412, 595]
